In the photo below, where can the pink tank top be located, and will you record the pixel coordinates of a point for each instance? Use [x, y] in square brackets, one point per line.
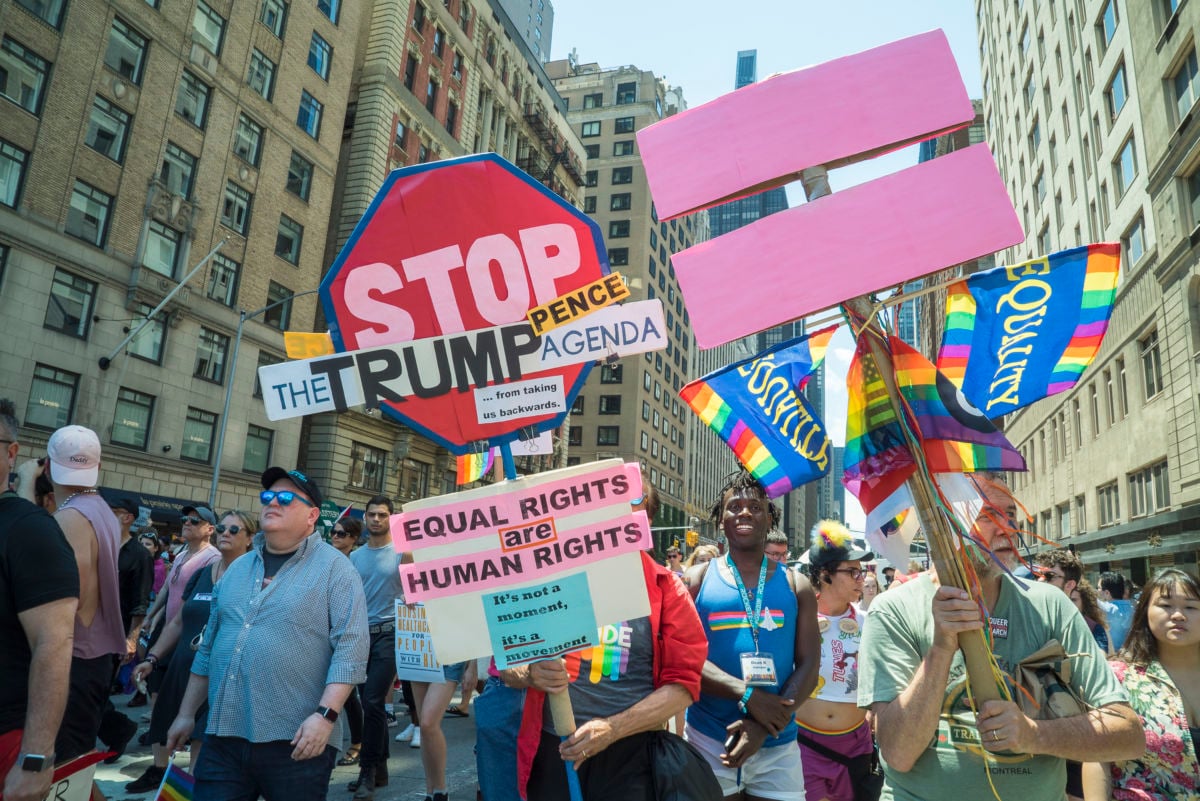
[105, 635]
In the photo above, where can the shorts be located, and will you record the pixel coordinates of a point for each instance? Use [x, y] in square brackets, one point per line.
[774, 772]
[828, 778]
[454, 672]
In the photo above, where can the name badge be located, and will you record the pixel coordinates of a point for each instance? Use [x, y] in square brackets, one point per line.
[999, 627]
[758, 669]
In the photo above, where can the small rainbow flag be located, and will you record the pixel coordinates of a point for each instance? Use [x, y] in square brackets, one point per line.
[1014, 335]
[756, 406]
[177, 785]
[473, 466]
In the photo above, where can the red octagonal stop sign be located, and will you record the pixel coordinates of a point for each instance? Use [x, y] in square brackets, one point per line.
[454, 247]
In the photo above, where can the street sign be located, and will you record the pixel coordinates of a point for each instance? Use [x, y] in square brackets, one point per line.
[447, 249]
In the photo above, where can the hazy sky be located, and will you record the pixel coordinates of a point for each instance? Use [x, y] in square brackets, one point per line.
[693, 44]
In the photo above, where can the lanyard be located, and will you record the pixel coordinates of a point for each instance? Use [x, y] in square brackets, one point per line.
[754, 615]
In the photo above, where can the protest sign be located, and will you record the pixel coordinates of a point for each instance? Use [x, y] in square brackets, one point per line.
[596, 295]
[73, 780]
[527, 545]
[415, 657]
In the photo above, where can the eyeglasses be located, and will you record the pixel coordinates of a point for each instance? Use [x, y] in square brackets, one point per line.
[285, 498]
[222, 528]
[854, 572]
[1049, 575]
[340, 532]
[195, 521]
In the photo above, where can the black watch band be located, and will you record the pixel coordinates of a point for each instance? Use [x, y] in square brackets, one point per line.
[329, 714]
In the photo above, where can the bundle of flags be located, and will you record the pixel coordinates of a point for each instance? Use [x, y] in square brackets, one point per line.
[758, 408]
[1014, 335]
[473, 466]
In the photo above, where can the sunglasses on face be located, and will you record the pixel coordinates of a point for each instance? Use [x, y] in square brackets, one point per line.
[285, 498]
[337, 532]
[222, 528]
[195, 521]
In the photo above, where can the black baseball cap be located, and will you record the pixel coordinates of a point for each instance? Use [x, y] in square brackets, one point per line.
[302, 482]
[125, 503]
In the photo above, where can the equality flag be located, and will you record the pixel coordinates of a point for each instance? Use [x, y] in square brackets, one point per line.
[473, 466]
[756, 406]
[177, 785]
[956, 437]
[1014, 335]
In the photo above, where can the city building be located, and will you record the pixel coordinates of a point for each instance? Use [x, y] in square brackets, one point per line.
[630, 408]
[135, 138]
[1089, 111]
[434, 80]
[535, 20]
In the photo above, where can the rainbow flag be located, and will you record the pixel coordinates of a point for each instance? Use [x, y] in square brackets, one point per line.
[473, 466]
[177, 785]
[876, 462]
[756, 406]
[1014, 335]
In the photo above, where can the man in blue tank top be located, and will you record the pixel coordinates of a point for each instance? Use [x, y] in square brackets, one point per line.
[763, 653]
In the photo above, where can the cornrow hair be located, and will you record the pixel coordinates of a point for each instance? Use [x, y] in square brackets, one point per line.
[737, 483]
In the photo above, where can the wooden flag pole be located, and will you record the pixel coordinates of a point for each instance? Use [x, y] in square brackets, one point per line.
[938, 533]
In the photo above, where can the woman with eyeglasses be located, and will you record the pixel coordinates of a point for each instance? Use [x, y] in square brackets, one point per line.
[181, 637]
[344, 537]
[1159, 666]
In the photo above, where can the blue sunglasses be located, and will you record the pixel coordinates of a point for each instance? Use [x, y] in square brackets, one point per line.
[285, 498]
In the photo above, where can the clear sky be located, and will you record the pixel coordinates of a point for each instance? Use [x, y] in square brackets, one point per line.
[693, 44]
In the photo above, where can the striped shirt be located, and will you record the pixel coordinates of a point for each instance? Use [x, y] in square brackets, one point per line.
[270, 651]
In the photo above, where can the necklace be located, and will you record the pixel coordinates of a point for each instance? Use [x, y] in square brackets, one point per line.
[72, 496]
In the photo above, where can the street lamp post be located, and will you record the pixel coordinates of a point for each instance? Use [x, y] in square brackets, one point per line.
[243, 316]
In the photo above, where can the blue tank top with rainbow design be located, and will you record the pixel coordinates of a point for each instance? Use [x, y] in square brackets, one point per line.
[728, 629]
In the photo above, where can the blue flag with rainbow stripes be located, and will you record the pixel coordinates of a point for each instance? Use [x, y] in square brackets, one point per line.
[1015, 335]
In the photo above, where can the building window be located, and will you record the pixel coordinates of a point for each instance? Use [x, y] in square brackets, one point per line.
[320, 55]
[278, 316]
[431, 93]
[247, 140]
[211, 350]
[418, 21]
[1109, 501]
[191, 102]
[451, 117]
[608, 435]
[577, 406]
[623, 125]
[575, 436]
[1044, 239]
[1117, 92]
[654, 449]
[1108, 22]
[131, 419]
[148, 344]
[12, 173]
[1151, 364]
[88, 216]
[199, 429]
[1095, 409]
[622, 175]
[591, 151]
[108, 128]
[257, 456]
[591, 129]
[235, 209]
[265, 359]
[72, 300]
[626, 93]
[623, 148]
[49, 11]
[299, 177]
[1125, 167]
[622, 201]
[163, 247]
[1193, 186]
[439, 42]
[593, 101]
[261, 74]
[610, 404]
[456, 69]
[274, 16]
[331, 9]
[611, 373]
[1134, 243]
[1149, 490]
[23, 75]
[223, 277]
[367, 467]
[589, 204]
[645, 441]
[208, 28]
[1186, 85]
[618, 229]
[51, 398]
[410, 71]
[178, 171]
[308, 117]
[401, 134]
[591, 178]
[288, 239]
[126, 52]
[1122, 389]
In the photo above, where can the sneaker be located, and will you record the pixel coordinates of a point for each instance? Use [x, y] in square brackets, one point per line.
[147, 782]
[406, 735]
[415, 742]
[391, 720]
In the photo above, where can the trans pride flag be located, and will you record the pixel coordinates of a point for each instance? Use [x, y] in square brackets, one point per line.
[473, 466]
[757, 407]
[1014, 335]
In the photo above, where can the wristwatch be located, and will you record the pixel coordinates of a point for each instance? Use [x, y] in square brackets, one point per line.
[36, 763]
[329, 714]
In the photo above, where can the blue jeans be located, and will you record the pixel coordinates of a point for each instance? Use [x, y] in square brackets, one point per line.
[497, 721]
[373, 693]
[233, 769]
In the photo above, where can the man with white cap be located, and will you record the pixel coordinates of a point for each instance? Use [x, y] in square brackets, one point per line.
[94, 534]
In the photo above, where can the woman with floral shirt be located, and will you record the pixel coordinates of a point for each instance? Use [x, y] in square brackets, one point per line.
[1160, 669]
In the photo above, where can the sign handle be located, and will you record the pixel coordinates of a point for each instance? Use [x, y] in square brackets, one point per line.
[510, 465]
[564, 726]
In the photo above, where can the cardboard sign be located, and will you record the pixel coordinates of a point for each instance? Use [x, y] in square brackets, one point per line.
[520, 399]
[448, 368]
[942, 212]
[596, 295]
[541, 621]
[523, 537]
[73, 780]
[415, 657]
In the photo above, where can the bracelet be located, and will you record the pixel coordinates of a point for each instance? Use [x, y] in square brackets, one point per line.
[745, 700]
[152, 659]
